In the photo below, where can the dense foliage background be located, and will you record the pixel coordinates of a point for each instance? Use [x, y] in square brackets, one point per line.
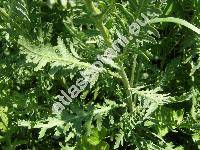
[45, 44]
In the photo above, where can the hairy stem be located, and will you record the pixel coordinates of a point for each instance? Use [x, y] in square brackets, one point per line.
[133, 69]
[127, 88]
[99, 23]
[139, 11]
[136, 80]
[90, 6]
[3, 14]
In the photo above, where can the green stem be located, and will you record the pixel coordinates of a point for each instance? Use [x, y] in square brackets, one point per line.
[137, 79]
[139, 11]
[176, 20]
[133, 69]
[127, 88]
[89, 4]
[99, 23]
[105, 33]
[4, 14]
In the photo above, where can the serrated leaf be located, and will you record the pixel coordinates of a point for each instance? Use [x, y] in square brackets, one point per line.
[119, 139]
[43, 54]
[99, 121]
[94, 138]
[42, 133]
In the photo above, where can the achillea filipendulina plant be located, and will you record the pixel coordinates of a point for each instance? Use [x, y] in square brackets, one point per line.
[149, 101]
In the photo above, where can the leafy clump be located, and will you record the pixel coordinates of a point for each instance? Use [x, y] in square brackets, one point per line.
[143, 96]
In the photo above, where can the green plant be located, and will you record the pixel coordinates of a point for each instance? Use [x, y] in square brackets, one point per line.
[147, 97]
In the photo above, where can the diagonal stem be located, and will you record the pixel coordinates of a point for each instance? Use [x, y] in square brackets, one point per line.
[99, 23]
[176, 20]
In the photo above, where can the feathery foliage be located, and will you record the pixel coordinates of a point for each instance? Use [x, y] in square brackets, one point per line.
[146, 97]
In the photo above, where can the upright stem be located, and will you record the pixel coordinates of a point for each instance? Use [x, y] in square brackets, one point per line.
[99, 22]
[127, 88]
[136, 80]
[133, 69]
[91, 7]
[139, 11]
[104, 31]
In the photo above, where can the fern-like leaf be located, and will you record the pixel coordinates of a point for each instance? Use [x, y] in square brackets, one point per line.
[56, 56]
